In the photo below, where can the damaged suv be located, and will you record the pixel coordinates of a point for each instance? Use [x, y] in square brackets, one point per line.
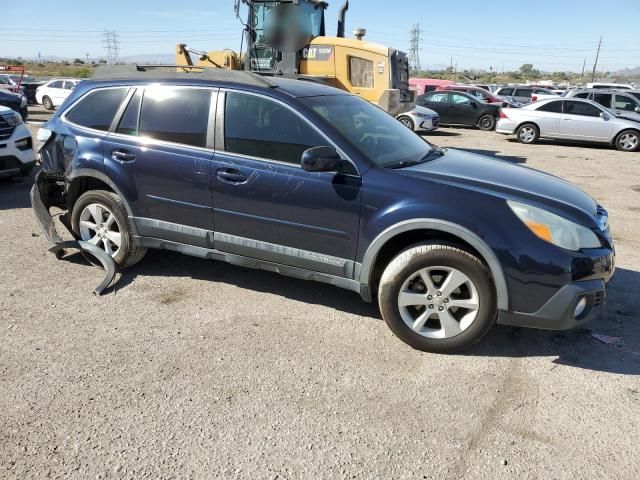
[311, 182]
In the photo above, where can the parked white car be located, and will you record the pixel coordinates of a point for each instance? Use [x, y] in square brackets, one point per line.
[420, 119]
[55, 91]
[571, 119]
[17, 156]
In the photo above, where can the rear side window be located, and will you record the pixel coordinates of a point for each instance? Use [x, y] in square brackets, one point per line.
[97, 109]
[258, 127]
[56, 84]
[581, 108]
[552, 107]
[506, 91]
[129, 122]
[603, 99]
[624, 103]
[177, 115]
[437, 97]
[361, 72]
[582, 95]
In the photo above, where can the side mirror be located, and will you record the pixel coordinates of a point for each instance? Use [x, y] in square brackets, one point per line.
[604, 116]
[637, 110]
[320, 159]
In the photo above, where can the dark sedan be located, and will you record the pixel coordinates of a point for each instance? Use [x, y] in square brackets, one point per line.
[459, 108]
[15, 102]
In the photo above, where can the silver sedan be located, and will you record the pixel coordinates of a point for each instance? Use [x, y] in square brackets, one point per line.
[571, 119]
[420, 119]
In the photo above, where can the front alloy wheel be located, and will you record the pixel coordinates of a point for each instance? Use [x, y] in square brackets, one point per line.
[628, 141]
[438, 302]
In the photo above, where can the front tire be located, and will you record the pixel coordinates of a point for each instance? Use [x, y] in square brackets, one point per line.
[47, 103]
[100, 218]
[628, 141]
[407, 122]
[528, 133]
[487, 123]
[437, 298]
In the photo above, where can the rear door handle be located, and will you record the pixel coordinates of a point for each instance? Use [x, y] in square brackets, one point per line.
[122, 156]
[231, 175]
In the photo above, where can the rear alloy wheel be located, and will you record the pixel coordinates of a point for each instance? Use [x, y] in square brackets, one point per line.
[437, 297]
[487, 123]
[528, 133]
[407, 122]
[628, 141]
[48, 104]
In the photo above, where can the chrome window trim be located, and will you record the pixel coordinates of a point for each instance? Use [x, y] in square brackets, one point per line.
[220, 144]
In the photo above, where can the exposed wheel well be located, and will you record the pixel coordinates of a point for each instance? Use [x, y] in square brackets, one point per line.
[78, 186]
[403, 240]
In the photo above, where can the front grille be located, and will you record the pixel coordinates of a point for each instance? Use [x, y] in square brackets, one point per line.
[436, 122]
[6, 130]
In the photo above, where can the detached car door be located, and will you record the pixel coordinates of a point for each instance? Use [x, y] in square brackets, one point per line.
[159, 150]
[265, 205]
[582, 121]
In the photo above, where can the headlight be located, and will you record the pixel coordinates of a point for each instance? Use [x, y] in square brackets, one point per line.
[13, 119]
[555, 229]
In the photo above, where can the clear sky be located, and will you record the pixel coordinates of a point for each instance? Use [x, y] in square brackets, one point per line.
[551, 34]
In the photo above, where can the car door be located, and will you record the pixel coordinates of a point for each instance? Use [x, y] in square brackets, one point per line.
[582, 121]
[437, 101]
[161, 151]
[265, 205]
[55, 92]
[463, 109]
[547, 117]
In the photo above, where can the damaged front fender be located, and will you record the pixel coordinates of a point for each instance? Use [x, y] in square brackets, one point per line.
[47, 191]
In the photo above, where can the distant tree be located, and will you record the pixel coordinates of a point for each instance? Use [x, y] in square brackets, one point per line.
[102, 62]
[77, 61]
[526, 69]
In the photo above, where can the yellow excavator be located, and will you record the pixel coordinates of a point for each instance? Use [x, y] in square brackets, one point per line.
[287, 38]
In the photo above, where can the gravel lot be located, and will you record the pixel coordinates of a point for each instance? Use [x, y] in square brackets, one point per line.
[196, 369]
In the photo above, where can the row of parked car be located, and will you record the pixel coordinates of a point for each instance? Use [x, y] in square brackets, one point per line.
[18, 92]
[603, 113]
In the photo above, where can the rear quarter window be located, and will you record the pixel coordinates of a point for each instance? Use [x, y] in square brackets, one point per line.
[97, 109]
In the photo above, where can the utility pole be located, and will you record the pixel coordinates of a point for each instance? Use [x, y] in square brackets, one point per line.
[414, 49]
[595, 64]
[584, 64]
[87, 55]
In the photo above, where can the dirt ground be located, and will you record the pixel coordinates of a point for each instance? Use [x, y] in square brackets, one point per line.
[195, 369]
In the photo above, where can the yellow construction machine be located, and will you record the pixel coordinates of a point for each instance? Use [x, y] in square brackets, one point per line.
[287, 38]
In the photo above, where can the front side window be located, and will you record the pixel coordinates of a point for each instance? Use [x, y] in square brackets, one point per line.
[581, 108]
[522, 92]
[552, 107]
[175, 114]
[625, 103]
[507, 92]
[97, 109]
[259, 127]
[459, 99]
[56, 84]
[376, 134]
[129, 122]
[361, 72]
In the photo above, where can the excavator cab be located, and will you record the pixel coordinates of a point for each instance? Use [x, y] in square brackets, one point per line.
[278, 30]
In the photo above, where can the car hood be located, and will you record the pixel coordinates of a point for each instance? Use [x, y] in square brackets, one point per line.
[633, 117]
[505, 179]
[424, 111]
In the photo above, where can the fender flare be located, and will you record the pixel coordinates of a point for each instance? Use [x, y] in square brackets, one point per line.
[370, 256]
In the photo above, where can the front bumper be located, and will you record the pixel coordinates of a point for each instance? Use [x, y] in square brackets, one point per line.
[559, 312]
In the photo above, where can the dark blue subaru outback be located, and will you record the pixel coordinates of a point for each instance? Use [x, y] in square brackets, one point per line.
[302, 179]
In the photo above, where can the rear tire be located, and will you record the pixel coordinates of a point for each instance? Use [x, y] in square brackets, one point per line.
[528, 133]
[407, 122]
[100, 217]
[437, 297]
[628, 141]
[487, 123]
[47, 103]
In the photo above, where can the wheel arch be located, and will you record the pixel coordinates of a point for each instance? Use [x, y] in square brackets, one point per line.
[525, 123]
[84, 180]
[615, 137]
[403, 234]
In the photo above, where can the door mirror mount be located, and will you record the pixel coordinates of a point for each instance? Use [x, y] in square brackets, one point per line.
[604, 116]
[320, 159]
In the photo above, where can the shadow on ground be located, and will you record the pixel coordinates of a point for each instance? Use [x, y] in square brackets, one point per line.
[14, 192]
[575, 348]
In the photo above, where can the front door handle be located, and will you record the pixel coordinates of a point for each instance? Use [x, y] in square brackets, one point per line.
[231, 175]
[122, 156]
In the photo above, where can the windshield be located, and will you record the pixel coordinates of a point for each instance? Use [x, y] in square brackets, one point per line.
[377, 135]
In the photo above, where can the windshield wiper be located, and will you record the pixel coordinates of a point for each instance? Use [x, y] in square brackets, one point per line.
[435, 152]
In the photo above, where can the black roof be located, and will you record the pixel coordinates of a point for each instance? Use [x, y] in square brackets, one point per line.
[160, 73]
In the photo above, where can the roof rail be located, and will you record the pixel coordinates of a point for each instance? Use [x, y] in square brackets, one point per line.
[134, 71]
